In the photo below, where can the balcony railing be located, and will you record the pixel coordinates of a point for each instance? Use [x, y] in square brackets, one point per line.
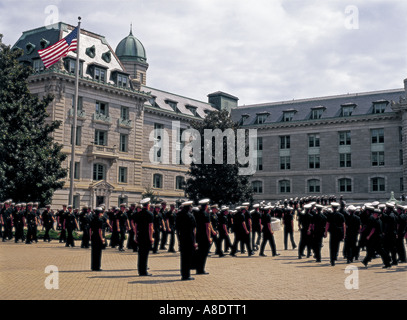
[101, 118]
[96, 151]
[125, 123]
[81, 114]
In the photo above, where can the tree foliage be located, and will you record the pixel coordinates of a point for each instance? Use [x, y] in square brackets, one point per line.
[219, 182]
[30, 161]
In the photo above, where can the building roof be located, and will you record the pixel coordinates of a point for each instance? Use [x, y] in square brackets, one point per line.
[331, 107]
[130, 48]
[171, 102]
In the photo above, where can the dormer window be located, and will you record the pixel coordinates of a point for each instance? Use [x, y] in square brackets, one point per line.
[44, 43]
[347, 109]
[243, 119]
[288, 115]
[30, 48]
[316, 112]
[99, 74]
[261, 117]
[192, 109]
[122, 80]
[38, 65]
[152, 101]
[379, 106]
[172, 104]
[70, 65]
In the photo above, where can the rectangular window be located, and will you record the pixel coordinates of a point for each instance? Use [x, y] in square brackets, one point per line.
[179, 183]
[100, 74]
[158, 132]
[285, 163]
[313, 140]
[345, 185]
[314, 186]
[78, 137]
[257, 186]
[377, 136]
[344, 138]
[77, 170]
[80, 103]
[123, 174]
[378, 159]
[102, 108]
[100, 138]
[124, 113]
[379, 107]
[345, 160]
[347, 111]
[401, 185]
[313, 161]
[261, 118]
[38, 65]
[98, 171]
[124, 138]
[316, 114]
[158, 181]
[76, 201]
[285, 142]
[122, 80]
[288, 116]
[284, 186]
[377, 185]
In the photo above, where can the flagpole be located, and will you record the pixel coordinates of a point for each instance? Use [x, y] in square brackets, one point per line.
[75, 110]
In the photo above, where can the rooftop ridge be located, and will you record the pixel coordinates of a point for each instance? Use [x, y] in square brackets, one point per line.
[348, 95]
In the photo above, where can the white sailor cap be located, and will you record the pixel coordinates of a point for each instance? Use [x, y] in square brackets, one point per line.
[145, 200]
[246, 204]
[195, 209]
[308, 206]
[224, 208]
[375, 203]
[381, 206]
[319, 206]
[390, 204]
[187, 203]
[335, 204]
[204, 201]
[351, 208]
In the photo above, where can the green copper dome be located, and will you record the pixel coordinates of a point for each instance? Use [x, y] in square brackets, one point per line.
[130, 48]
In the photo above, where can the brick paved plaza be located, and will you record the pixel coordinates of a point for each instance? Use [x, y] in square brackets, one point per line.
[23, 276]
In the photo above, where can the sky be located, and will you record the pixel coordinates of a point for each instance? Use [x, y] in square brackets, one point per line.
[259, 51]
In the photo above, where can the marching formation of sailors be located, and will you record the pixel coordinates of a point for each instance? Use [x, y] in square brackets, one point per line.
[377, 228]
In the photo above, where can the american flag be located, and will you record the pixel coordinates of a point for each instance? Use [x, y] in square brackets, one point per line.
[60, 49]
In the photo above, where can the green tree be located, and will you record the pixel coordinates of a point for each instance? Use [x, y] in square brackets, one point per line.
[221, 183]
[30, 161]
[149, 193]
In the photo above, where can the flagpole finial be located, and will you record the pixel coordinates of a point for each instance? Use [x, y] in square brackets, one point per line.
[79, 18]
[131, 28]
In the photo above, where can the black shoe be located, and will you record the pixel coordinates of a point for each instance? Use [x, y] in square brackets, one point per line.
[276, 254]
[364, 263]
[202, 272]
[145, 274]
[387, 266]
[262, 255]
[319, 260]
[333, 263]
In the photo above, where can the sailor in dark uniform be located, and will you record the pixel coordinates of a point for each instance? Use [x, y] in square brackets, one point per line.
[337, 229]
[123, 225]
[158, 227]
[256, 226]
[31, 221]
[18, 221]
[268, 234]
[170, 224]
[304, 225]
[97, 239]
[61, 223]
[288, 222]
[223, 229]
[241, 230]
[84, 225]
[389, 221]
[401, 233]
[144, 229]
[186, 230]
[353, 228]
[70, 225]
[318, 227]
[203, 236]
[48, 220]
[163, 231]
[129, 213]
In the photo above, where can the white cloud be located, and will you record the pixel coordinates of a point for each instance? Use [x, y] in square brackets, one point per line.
[259, 50]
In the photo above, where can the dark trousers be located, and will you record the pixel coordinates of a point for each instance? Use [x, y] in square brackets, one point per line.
[19, 232]
[202, 255]
[334, 243]
[62, 236]
[31, 234]
[244, 239]
[401, 249]
[374, 246]
[46, 234]
[7, 233]
[122, 236]
[130, 241]
[289, 232]
[114, 239]
[96, 254]
[186, 256]
[157, 234]
[69, 239]
[171, 234]
[350, 247]
[224, 237]
[390, 246]
[143, 252]
[305, 242]
[85, 237]
[268, 237]
[317, 245]
[256, 243]
[164, 236]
